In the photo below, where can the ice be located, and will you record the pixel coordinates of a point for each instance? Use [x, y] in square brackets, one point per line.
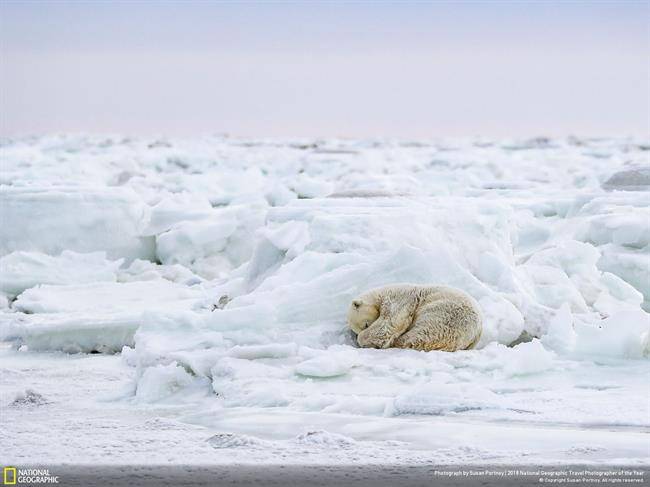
[24, 270]
[100, 316]
[222, 270]
[229, 440]
[568, 272]
[276, 350]
[71, 332]
[325, 439]
[310, 187]
[51, 219]
[102, 297]
[174, 209]
[143, 270]
[331, 365]
[631, 265]
[214, 245]
[629, 180]
[529, 358]
[620, 218]
[627, 230]
[624, 334]
[162, 381]
[443, 399]
[561, 335]
[28, 398]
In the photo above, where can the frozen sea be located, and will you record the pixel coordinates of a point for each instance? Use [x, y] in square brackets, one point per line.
[183, 301]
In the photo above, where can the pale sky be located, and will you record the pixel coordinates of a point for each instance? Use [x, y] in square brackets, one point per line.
[358, 69]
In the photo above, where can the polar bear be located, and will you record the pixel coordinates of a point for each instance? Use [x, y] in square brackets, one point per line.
[418, 317]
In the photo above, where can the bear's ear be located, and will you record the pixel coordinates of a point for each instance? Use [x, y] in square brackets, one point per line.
[357, 303]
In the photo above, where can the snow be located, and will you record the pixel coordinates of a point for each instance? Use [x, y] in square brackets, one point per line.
[219, 271]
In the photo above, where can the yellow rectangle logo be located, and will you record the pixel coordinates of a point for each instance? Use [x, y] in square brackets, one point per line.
[9, 475]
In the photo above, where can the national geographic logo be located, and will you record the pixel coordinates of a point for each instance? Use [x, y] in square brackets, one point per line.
[18, 476]
[9, 475]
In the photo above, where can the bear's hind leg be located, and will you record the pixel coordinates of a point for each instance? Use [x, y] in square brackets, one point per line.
[440, 326]
[420, 338]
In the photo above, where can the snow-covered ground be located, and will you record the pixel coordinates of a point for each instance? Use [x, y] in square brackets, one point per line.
[214, 275]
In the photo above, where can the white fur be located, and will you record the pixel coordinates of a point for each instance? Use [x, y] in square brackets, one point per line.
[417, 317]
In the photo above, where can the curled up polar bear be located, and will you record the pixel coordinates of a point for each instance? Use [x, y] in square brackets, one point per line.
[418, 317]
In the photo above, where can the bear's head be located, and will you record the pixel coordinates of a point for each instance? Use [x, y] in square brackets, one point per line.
[361, 315]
